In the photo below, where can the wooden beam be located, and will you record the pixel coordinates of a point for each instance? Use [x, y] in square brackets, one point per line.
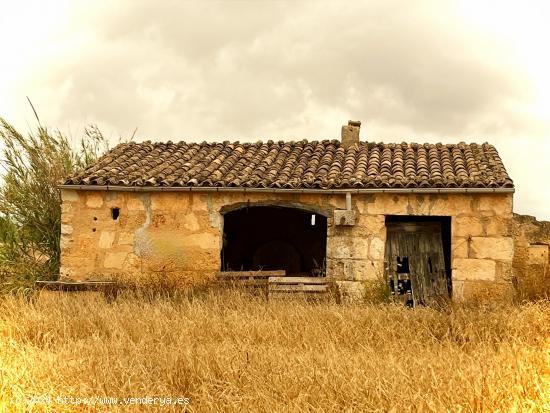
[75, 285]
[298, 280]
[254, 274]
[244, 282]
[297, 288]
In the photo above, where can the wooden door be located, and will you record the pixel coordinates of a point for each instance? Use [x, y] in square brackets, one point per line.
[414, 262]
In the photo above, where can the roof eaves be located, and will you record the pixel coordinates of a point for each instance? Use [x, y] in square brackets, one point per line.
[423, 190]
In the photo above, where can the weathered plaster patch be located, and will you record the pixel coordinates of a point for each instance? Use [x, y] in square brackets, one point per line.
[191, 223]
[94, 200]
[69, 195]
[142, 243]
[115, 260]
[134, 203]
[106, 239]
[215, 217]
[111, 196]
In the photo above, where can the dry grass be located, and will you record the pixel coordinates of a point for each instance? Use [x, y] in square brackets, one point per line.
[534, 285]
[229, 352]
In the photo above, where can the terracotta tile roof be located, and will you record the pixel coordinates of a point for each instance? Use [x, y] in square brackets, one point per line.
[318, 164]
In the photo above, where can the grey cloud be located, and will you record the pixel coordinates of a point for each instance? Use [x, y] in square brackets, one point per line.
[236, 56]
[248, 70]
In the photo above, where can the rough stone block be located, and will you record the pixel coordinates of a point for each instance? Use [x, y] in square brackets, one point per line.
[450, 204]
[377, 247]
[203, 222]
[216, 220]
[388, 204]
[106, 239]
[503, 271]
[115, 260]
[339, 247]
[166, 202]
[538, 254]
[135, 203]
[343, 269]
[351, 291]
[419, 204]
[354, 270]
[94, 199]
[344, 217]
[459, 247]
[315, 199]
[66, 273]
[133, 220]
[199, 202]
[372, 270]
[69, 195]
[473, 269]
[501, 248]
[374, 224]
[335, 268]
[122, 248]
[65, 243]
[184, 250]
[66, 208]
[499, 204]
[360, 203]
[126, 238]
[206, 240]
[465, 226]
[77, 268]
[481, 291]
[67, 219]
[86, 246]
[360, 248]
[498, 226]
[112, 196]
[66, 229]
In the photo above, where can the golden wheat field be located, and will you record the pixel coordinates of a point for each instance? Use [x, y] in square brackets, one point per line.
[229, 352]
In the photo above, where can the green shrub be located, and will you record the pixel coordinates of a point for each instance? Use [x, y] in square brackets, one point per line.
[30, 201]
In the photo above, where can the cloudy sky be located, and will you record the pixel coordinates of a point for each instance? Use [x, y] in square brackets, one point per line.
[426, 71]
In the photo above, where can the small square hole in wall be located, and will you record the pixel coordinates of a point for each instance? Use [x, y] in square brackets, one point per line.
[115, 213]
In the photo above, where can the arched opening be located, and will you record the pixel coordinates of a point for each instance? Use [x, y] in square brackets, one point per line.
[274, 238]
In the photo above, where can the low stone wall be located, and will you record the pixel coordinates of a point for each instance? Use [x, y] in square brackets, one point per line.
[180, 233]
[531, 252]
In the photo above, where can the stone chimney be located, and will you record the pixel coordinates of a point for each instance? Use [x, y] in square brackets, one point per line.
[350, 133]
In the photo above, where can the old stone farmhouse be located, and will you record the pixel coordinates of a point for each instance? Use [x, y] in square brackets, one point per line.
[433, 218]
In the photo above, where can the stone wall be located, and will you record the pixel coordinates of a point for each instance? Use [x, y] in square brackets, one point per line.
[531, 252]
[180, 233]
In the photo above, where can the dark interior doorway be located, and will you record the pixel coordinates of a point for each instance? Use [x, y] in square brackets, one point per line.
[418, 258]
[274, 238]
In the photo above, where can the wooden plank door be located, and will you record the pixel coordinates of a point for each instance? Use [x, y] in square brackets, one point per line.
[415, 264]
